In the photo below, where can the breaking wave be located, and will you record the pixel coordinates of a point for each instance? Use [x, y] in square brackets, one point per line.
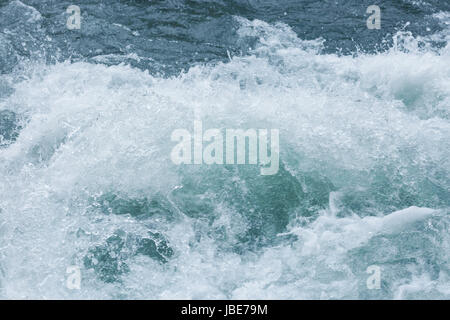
[86, 176]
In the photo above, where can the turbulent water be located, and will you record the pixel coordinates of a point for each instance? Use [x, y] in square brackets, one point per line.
[86, 178]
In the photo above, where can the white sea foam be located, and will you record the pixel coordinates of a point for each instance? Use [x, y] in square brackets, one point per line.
[93, 128]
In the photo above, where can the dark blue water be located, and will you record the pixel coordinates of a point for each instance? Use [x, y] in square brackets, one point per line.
[176, 34]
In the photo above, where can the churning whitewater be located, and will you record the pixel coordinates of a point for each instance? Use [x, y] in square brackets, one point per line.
[87, 181]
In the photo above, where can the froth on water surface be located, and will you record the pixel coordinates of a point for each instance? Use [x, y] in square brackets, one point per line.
[86, 178]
